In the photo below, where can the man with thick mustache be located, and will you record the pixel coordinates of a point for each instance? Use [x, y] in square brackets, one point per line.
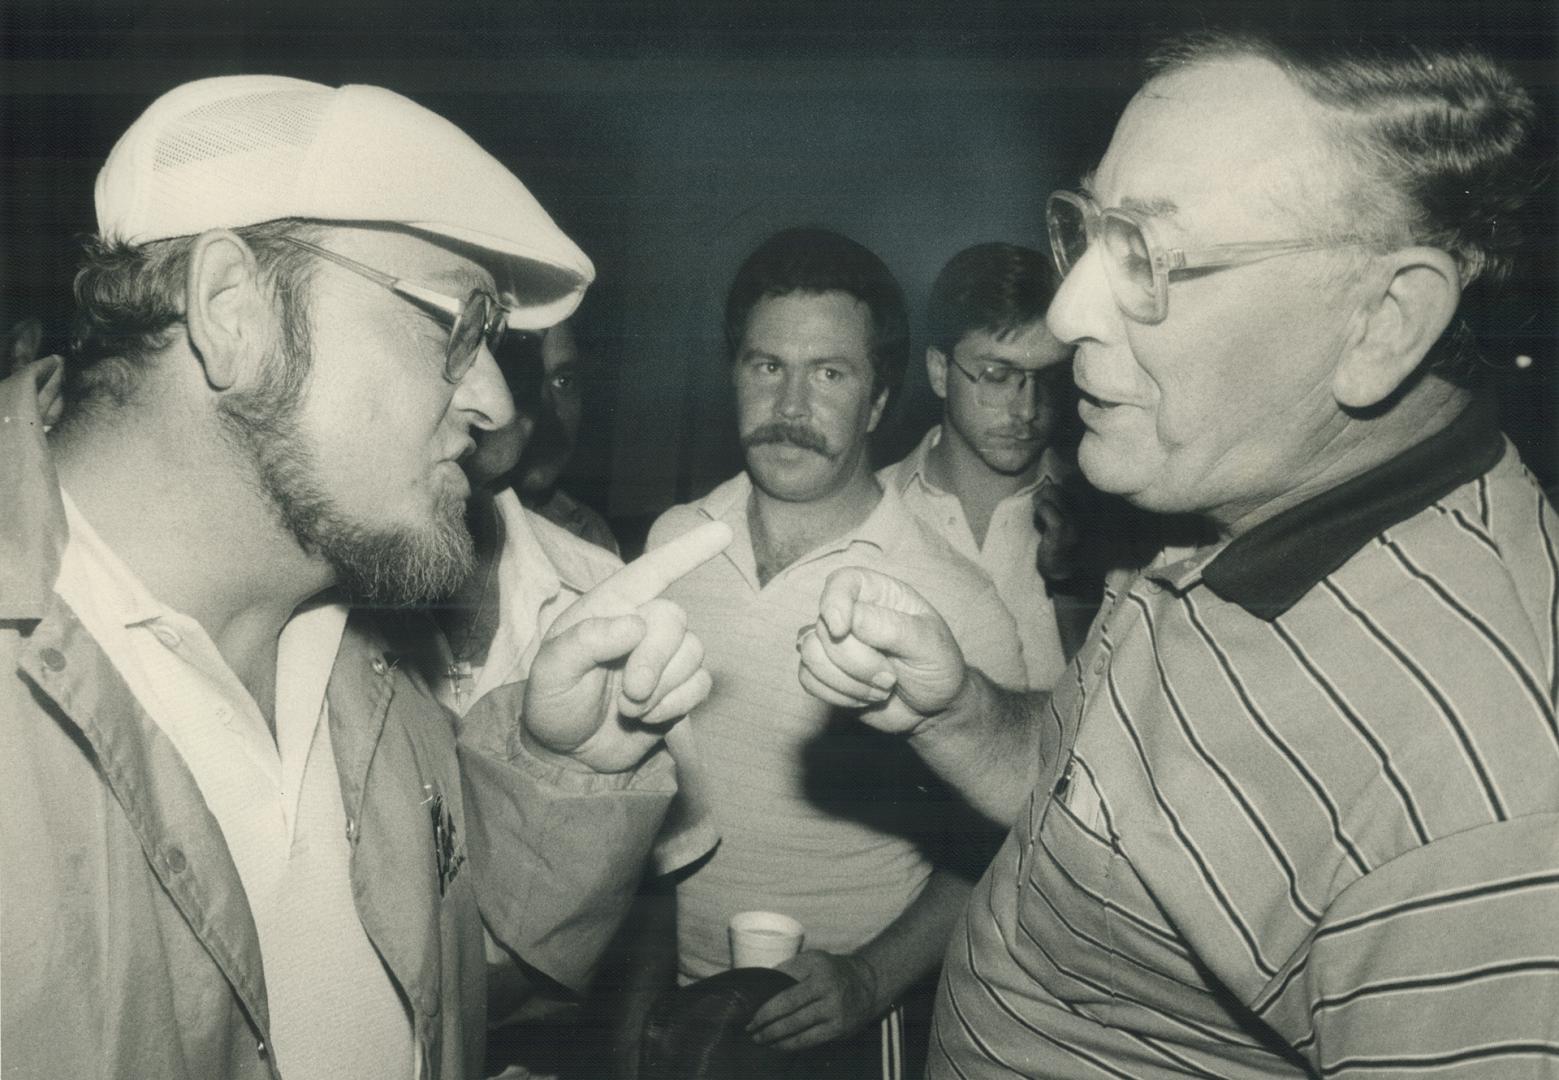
[237, 836]
[816, 821]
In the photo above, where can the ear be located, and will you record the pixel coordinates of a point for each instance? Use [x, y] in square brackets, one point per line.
[227, 310]
[936, 371]
[1404, 314]
[879, 405]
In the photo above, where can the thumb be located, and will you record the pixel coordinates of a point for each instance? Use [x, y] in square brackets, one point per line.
[589, 644]
[884, 629]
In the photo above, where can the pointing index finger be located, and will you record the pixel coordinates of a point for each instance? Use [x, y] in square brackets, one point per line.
[648, 576]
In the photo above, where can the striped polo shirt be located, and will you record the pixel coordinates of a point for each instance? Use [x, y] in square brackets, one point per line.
[1298, 805]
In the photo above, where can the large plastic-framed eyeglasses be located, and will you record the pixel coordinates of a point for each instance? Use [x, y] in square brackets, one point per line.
[478, 318]
[1136, 267]
[997, 386]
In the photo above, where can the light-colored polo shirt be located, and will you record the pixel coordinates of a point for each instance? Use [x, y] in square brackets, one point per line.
[1008, 555]
[1298, 805]
[801, 791]
[334, 1010]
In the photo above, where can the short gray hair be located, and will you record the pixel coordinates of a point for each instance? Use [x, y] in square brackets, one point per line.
[1440, 138]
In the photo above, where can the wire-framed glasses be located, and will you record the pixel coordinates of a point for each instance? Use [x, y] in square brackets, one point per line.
[1136, 267]
[997, 386]
[479, 317]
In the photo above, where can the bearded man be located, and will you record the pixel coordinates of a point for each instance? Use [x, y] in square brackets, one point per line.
[238, 839]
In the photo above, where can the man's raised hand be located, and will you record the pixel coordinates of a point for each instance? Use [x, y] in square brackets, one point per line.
[620, 665]
[879, 646]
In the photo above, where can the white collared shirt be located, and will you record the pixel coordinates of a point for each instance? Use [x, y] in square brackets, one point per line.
[334, 1011]
[1008, 555]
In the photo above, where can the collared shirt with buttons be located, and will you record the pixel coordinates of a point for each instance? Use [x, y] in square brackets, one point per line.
[1008, 555]
[1298, 812]
[334, 1009]
[128, 945]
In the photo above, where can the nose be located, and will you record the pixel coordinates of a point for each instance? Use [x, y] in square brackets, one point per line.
[795, 396]
[1083, 306]
[483, 395]
[1025, 402]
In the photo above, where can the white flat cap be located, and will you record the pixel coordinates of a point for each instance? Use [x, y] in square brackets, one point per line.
[244, 149]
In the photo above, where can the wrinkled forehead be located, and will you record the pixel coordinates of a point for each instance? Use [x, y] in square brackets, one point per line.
[1226, 139]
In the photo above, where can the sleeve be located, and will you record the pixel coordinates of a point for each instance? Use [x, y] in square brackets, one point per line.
[556, 852]
[1444, 961]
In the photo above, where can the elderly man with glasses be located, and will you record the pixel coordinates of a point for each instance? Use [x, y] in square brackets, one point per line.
[1294, 810]
[237, 838]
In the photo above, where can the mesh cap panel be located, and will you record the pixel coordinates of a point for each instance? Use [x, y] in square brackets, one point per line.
[242, 124]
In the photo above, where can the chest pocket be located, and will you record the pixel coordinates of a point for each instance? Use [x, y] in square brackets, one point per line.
[1067, 886]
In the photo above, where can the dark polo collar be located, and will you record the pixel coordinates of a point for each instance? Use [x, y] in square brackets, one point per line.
[1268, 569]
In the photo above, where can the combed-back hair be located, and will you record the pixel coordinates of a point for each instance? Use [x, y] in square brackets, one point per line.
[1440, 137]
[998, 288]
[130, 302]
[813, 260]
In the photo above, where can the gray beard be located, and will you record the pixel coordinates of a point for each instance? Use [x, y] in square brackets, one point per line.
[384, 567]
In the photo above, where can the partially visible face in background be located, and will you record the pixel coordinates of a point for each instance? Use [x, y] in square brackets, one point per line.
[531, 453]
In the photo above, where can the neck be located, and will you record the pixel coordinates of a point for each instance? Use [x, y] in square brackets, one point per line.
[1359, 446]
[180, 513]
[954, 466]
[784, 531]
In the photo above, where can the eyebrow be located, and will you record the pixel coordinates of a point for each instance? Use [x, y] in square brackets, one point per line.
[1151, 208]
[832, 358]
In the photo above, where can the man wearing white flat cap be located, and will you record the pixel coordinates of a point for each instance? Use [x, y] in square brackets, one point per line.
[237, 838]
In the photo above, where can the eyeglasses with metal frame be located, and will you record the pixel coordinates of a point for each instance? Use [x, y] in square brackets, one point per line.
[1137, 266]
[997, 386]
[479, 317]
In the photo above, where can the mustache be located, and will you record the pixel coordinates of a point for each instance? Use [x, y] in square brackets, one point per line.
[781, 432]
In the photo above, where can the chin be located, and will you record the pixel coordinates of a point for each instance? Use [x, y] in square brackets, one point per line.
[1113, 470]
[1009, 464]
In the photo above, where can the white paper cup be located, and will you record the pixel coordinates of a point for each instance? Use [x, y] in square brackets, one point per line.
[763, 939]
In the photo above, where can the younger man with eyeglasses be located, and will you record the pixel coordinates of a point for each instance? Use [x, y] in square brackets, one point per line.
[976, 478]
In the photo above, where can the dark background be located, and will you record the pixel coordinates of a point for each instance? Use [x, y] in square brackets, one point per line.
[669, 138]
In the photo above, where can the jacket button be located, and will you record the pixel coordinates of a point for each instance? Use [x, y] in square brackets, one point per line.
[175, 860]
[259, 1048]
[379, 666]
[53, 659]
